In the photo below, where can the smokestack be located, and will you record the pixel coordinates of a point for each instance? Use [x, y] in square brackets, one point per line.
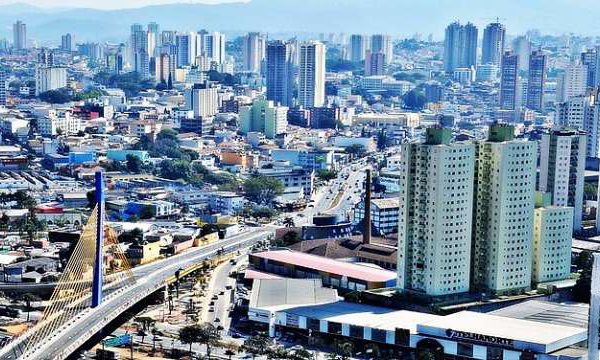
[367, 219]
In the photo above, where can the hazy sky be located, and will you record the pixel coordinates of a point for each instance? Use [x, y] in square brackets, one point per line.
[109, 4]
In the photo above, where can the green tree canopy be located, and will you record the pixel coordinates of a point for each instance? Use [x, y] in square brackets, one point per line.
[263, 189]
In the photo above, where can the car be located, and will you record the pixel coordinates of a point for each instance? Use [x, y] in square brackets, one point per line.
[228, 287]
[221, 292]
[214, 297]
[212, 303]
[211, 309]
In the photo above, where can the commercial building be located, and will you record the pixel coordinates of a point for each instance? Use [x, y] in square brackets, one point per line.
[536, 81]
[552, 236]
[311, 82]
[292, 177]
[522, 48]
[307, 159]
[562, 170]
[337, 274]
[202, 99]
[589, 60]
[384, 215]
[493, 44]
[305, 308]
[263, 116]
[436, 208]
[50, 78]
[280, 73]
[504, 189]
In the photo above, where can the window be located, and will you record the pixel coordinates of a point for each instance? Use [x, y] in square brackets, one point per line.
[313, 324]
[334, 328]
[357, 332]
[465, 350]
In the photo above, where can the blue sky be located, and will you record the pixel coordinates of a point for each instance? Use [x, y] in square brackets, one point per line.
[108, 4]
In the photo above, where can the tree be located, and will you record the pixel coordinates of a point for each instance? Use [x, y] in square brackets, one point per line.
[583, 285]
[300, 353]
[257, 345]
[59, 96]
[262, 189]
[189, 335]
[209, 335]
[175, 169]
[134, 164]
[289, 221]
[29, 298]
[356, 151]
[414, 100]
[167, 134]
[326, 175]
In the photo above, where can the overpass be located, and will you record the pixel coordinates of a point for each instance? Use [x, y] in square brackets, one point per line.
[98, 285]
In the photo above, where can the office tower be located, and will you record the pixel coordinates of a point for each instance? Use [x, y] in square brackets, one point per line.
[594, 313]
[562, 170]
[536, 81]
[359, 44]
[460, 46]
[265, 117]
[588, 59]
[67, 43]
[163, 69]
[213, 46]
[505, 176]
[253, 52]
[521, 46]
[383, 44]
[552, 238]
[202, 99]
[45, 57]
[509, 77]
[493, 44]
[4, 45]
[487, 73]
[311, 82]
[50, 78]
[280, 73]
[2, 87]
[436, 209]
[375, 63]
[187, 50]
[19, 35]
[573, 82]
[167, 37]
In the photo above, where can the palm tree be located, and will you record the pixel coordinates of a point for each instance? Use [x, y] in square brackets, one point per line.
[146, 322]
[229, 353]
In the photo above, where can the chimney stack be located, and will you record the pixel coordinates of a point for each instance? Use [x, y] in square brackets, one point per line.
[367, 218]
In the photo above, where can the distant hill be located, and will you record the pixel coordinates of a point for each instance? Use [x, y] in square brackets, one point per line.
[397, 17]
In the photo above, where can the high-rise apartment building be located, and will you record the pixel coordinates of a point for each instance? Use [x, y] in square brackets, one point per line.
[311, 79]
[374, 63]
[505, 177]
[212, 45]
[562, 170]
[436, 208]
[552, 239]
[280, 73]
[358, 46]
[536, 81]
[265, 117]
[2, 87]
[202, 99]
[573, 82]
[50, 78]
[509, 78]
[187, 48]
[522, 47]
[19, 35]
[582, 113]
[154, 39]
[383, 44]
[67, 43]
[493, 44]
[253, 52]
[460, 46]
[164, 69]
[589, 60]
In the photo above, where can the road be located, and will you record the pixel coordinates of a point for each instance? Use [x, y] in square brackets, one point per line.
[149, 278]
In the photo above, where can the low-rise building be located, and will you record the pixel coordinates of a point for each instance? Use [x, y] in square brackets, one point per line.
[384, 215]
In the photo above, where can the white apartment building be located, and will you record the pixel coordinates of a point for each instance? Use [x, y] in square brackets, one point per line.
[203, 100]
[552, 238]
[58, 122]
[562, 170]
[436, 208]
[573, 82]
[505, 179]
[582, 113]
[311, 77]
[50, 78]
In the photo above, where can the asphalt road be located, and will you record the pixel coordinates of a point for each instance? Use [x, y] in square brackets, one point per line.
[148, 278]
